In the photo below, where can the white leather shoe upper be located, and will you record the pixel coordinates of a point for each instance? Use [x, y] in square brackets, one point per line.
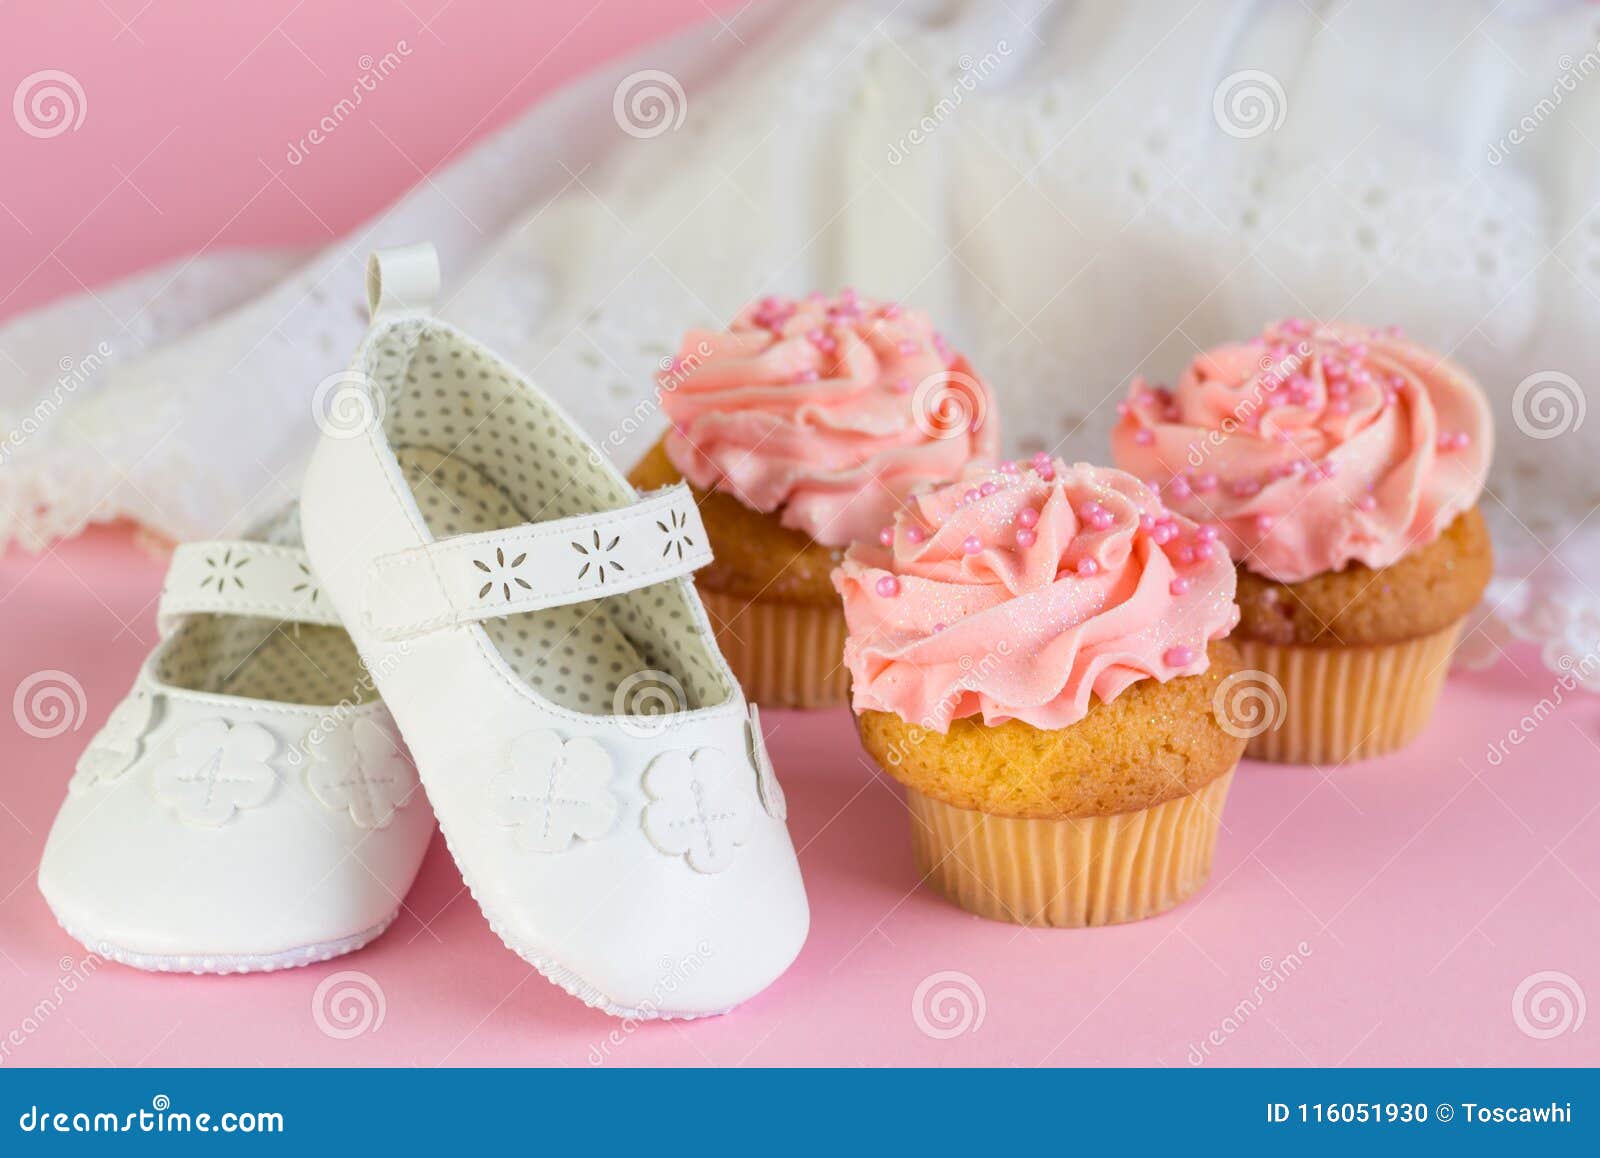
[532, 625]
[249, 804]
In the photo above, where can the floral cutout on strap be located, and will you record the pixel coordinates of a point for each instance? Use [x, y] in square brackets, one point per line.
[675, 528]
[599, 556]
[307, 588]
[697, 809]
[215, 770]
[502, 574]
[772, 797]
[117, 744]
[361, 768]
[223, 569]
[555, 791]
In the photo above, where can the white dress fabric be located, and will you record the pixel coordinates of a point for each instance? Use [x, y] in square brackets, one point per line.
[1076, 191]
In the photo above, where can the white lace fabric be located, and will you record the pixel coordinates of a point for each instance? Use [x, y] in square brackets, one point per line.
[1078, 192]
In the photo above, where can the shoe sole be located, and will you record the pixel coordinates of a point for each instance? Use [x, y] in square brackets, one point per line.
[225, 963]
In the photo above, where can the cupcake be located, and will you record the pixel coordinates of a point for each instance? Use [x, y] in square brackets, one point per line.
[1341, 466]
[1035, 654]
[801, 429]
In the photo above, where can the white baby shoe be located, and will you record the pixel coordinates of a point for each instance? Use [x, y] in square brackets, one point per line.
[531, 623]
[249, 805]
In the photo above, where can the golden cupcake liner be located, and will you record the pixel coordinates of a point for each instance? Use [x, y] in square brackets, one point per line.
[1098, 870]
[785, 655]
[1346, 703]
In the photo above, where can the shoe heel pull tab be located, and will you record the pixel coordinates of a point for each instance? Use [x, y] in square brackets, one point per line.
[403, 280]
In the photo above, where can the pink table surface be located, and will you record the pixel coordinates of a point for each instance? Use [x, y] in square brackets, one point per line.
[1419, 891]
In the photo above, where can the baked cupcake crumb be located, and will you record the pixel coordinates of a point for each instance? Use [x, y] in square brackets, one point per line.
[1428, 589]
[1153, 743]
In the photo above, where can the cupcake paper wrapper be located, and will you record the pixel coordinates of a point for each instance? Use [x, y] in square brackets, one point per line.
[1100, 870]
[785, 655]
[1349, 703]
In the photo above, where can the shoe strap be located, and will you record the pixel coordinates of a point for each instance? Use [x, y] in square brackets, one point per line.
[402, 280]
[535, 566]
[238, 577]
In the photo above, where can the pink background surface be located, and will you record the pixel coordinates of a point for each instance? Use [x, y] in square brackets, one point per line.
[192, 106]
[1425, 887]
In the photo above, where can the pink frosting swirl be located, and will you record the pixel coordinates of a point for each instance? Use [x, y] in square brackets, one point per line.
[1021, 592]
[828, 410]
[1313, 446]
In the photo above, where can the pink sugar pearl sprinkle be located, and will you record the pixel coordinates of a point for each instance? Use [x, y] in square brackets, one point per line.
[1088, 567]
[886, 536]
[915, 534]
[1028, 517]
[972, 544]
[1026, 538]
[888, 586]
[1178, 657]
[1180, 586]
[1096, 516]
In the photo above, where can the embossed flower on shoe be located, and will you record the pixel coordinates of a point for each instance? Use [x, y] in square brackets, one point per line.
[361, 768]
[772, 797]
[117, 744]
[555, 791]
[217, 769]
[697, 808]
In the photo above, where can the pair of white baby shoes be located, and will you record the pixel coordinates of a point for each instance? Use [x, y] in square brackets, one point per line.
[476, 579]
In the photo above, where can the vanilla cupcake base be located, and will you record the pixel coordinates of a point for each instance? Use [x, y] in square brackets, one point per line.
[1070, 873]
[1347, 703]
[784, 655]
